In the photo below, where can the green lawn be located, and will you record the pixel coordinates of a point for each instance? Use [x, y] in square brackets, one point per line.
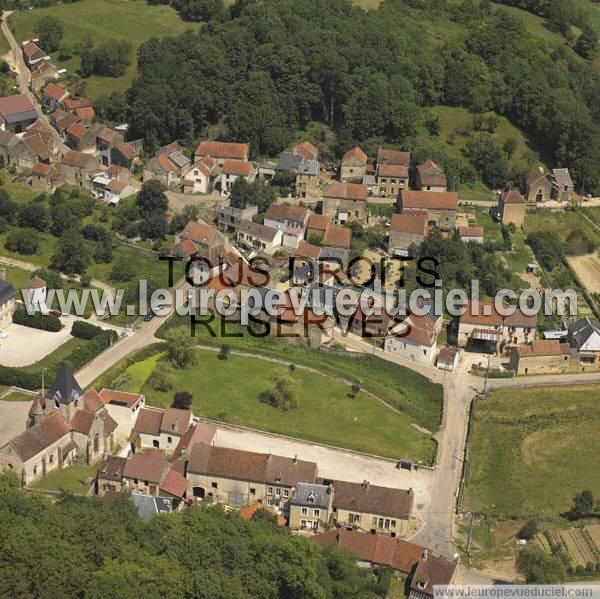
[562, 222]
[17, 396]
[533, 449]
[57, 356]
[229, 390]
[134, 20]
[69, 479]
[416, 396]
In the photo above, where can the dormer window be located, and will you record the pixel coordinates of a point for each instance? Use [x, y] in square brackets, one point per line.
[311, 497]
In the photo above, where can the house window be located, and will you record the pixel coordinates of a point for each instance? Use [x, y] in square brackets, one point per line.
[317, 513]
[51, 460]
[269, 503]
[278, 491]
[252, 491]
[303, 523]
[35, 469]
[270, 490]
[170, 439]
[304, 511]
[286, 493]
[393, 523]
[214, 485]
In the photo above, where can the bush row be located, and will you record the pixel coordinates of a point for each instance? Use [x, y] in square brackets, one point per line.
[37, 320]
[85, 330]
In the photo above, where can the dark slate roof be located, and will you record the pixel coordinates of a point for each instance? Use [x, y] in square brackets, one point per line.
[64, 387]
[7, 291]
[311, 167]
[307, 494]
[332, 253]
[148, 505]
[288, 161]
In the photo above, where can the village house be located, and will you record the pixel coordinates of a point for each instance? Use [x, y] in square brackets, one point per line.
[30, 150]
[169, 166]
[231, 216]
[391, 179]
[63, 425]
[125, 154]
[123, 408]
[406, 229]
[62, 121]
[353, 165]
[311, 507]
[393, 157]
[447, 358]
[415, 338]
[205, 238]
[369, 508]
[307, 179]
[441, 207]
[291, 220]
[431, 571]
[110, 190]
[222, 151]
[71, 104]
[161, 429]
[45, 177]
[430, 177]
[511, 208]
[288, 163]
[471, 234]
[343, 202]
[44, 72]
[201, 176]
[547, 356]
[8, 142]
[33, 54]
[316, 227]
[258, 237]
[485, 329]
[80, 169]
[54, 95]
[106, 139]
[81, 139]
[306, 149]
[119, 173]
[231, 171]
[538, 188]
[584, 337]
[86, 117]
[47, 136]
[7, 301]
[337, 236]
[563, 186]
[239, 478]
[18, 112]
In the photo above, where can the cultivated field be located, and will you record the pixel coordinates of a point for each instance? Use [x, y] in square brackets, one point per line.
[229, 390]
[588, 270]
[579, 546]
[533, 449]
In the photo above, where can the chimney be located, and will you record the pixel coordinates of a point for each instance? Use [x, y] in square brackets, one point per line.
[425, 554]
[366, 484]
[410, 491]
[296, 459]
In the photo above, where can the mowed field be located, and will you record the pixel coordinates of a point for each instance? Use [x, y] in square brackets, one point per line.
[229, 390]
[133, 20]
[588, 270]
[533, 449]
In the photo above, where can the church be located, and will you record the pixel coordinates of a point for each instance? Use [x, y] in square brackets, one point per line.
[65, 426]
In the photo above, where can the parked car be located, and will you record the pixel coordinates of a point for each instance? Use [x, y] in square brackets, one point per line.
[149, 316]
[57, 313]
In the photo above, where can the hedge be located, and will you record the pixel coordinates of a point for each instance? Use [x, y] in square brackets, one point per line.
[37, 320]
[16, 377]
[85, 330]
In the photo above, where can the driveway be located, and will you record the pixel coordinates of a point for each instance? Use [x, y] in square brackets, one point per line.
[13, 419]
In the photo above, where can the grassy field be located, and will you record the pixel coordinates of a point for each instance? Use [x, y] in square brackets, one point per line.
[532, 450]
[229, 391]
[57, 356]
[562, 222]
[416, 396]
[17, 396]
[134, 20]
[69, 479]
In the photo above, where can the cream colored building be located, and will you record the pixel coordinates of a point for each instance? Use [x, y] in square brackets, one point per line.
[366, 507]
[7, 302]
[311, 507]
[354, 165]
[511, 208]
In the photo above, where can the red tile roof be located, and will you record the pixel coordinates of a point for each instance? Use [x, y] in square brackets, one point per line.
[431, 174]
[489, 316]
[307, 250]
[76, 159]
[443, 200]
[512, 196]
[355, 152]
[413, 223]
[11, 105]
[371, 499]
[41, 169]
[534, 176]
[470, 231]
[306, 149]
[432, 571]
[148, 466]
[55, 91]
[175, 484]
[399, 171]
[337, 236]
[220, 149]
[77, 130]
[544, 347]
[237, 167]
[37, 438]
[347, 191]
[393, 157]
[247, 512]
[318, 222]
[197, 231]
[148, 422]
[120, 398]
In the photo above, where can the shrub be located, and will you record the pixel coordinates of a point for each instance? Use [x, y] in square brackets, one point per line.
[182, 400]
[224, 352]
[85, 330]
[161, 378]
[22, 241]
[528, 531]
[283, 394]
[37, 320]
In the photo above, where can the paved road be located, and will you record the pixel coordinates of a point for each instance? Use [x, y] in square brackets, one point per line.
[23, 76]
[13, 419]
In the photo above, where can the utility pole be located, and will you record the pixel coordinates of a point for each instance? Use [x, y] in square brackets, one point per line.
[487, 374]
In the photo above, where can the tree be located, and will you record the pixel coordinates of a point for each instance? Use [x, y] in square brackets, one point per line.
[153, 226]
[510, 146]
[8, 208]
[123, 270]
[539, 567]
[161, 378]
[110, 59]
[181, 350]
[488, 159]
[49, 30]
[62, 220]
[179, 221]
[152, 199]
[71, 255]
[22, 241]
[224, 352]
[583, 505]
[34, 215]
[587, 43]
[528, 530]
[182, 400]
[283, 394]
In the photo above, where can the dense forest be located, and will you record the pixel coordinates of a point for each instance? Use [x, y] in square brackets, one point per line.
[78, 547]
[263, 71]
